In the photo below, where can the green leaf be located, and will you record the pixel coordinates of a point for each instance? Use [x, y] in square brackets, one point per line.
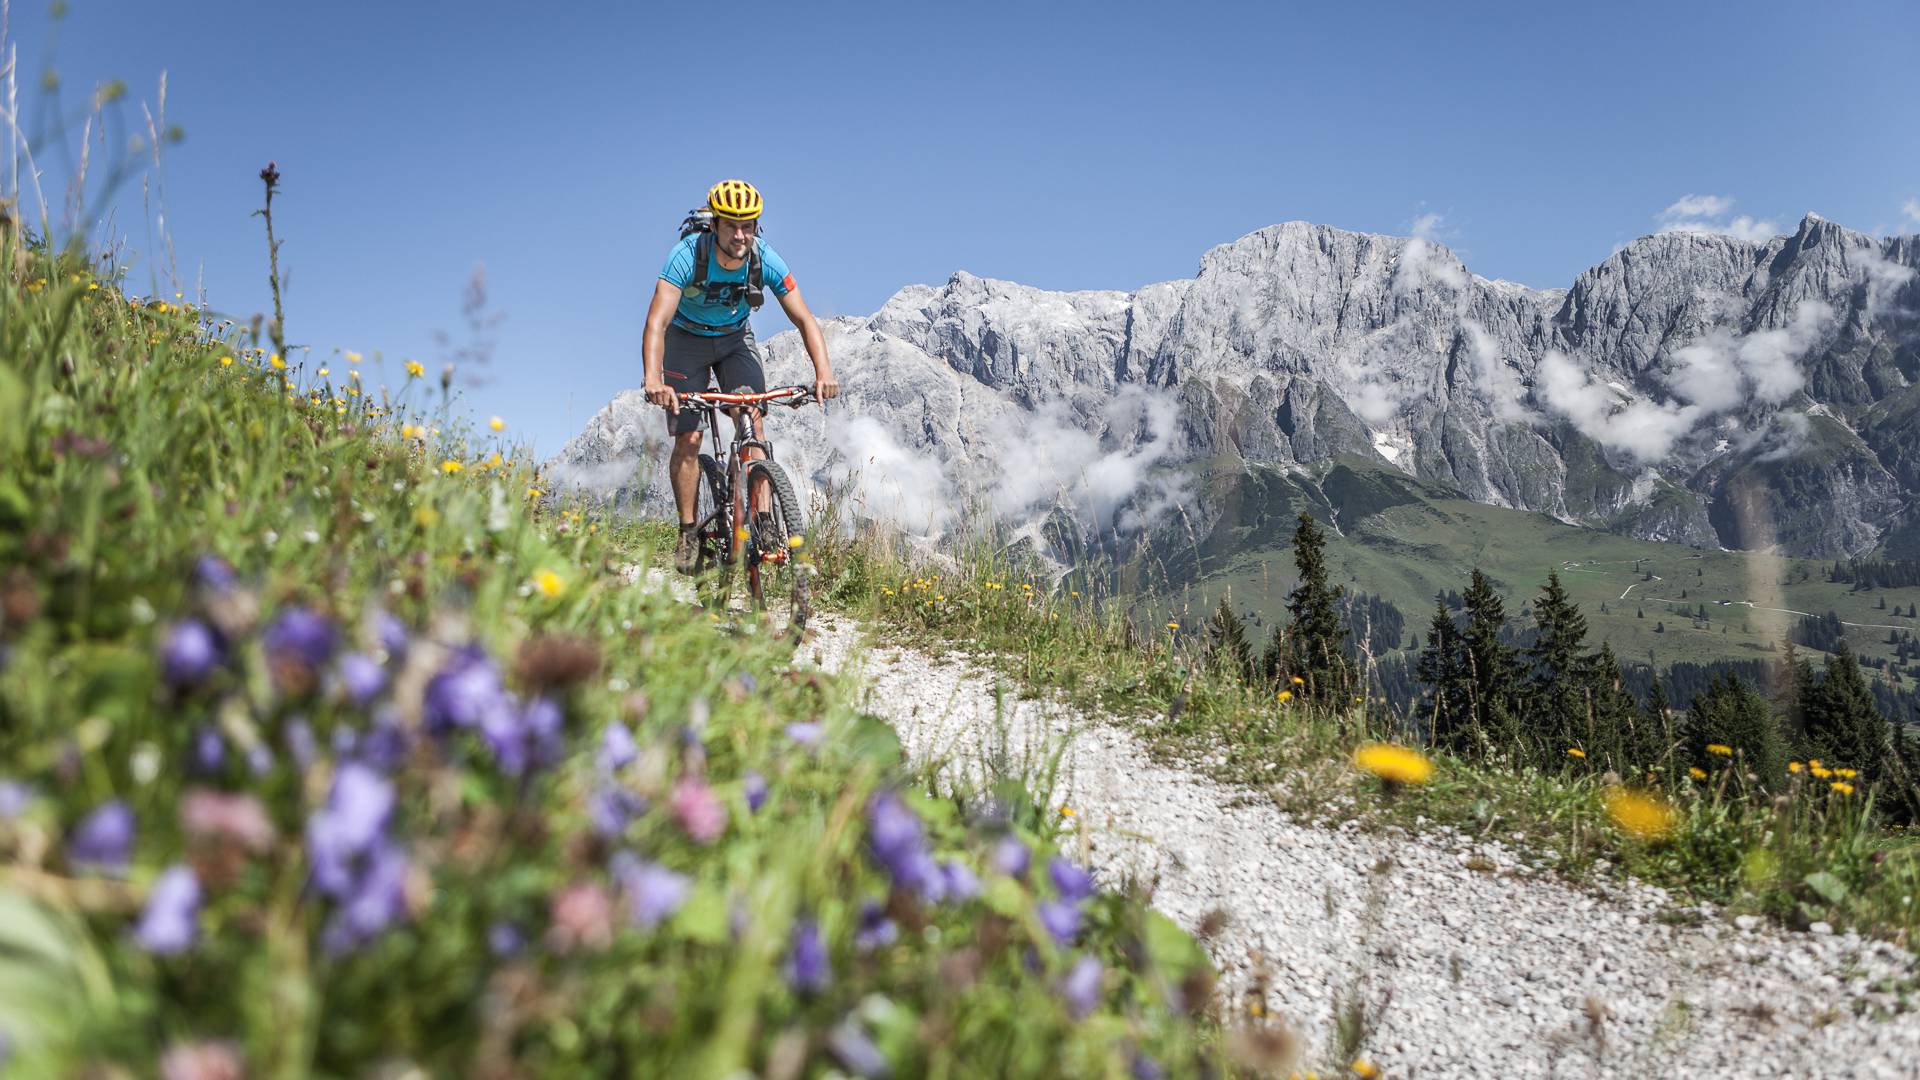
[1830, 888]
[1005, 896]
[1168, 946]
[704, 918]
[874, 740]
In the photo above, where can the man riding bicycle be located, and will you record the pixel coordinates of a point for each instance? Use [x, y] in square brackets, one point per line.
[697, 330]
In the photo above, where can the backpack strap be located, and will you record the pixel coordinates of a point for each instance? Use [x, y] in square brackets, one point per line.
[702, 251]
[755, 297]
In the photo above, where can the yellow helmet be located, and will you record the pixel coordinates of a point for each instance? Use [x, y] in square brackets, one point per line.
[735, 199]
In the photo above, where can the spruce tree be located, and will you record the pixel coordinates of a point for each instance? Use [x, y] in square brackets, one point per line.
[1227, 647]
[1444, 705]
[1731, 712]
[1556, 684]
[1316, 637]
[1489, 677]
[1843, 729]
[1613, 732]
[1657, 726]
[1273, 658]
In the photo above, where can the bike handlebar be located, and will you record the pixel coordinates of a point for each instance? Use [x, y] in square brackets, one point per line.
[791, 396]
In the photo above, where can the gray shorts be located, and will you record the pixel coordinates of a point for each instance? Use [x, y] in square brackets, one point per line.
[696, 362]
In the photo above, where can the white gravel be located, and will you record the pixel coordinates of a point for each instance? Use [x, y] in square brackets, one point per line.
[1466, 972]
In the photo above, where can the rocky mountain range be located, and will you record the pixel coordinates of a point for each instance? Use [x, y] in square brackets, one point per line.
[1691, 387]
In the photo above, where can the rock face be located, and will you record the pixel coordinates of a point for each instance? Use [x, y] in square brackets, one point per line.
[1692, 387]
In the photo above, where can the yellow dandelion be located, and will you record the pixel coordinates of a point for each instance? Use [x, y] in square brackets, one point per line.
[1066, 811]
[226, 361]
[1819, 773]
[497, 424]
[1640, 814]
[1720, 749]
[741, 534]
[1298, 681]
[796, 542]
[1173, 626]
[1696, 772]
[534, 493]
[1364, 1069]
[425, 516]
[1845, 774]
[324, 372]
[1394, 764]
[276, 363]
[1285, 696]
[352, 357]
[1842, 787]
[1794, 767]
[451, 466]
[415, 369]
[549, 583]
[1813, 763]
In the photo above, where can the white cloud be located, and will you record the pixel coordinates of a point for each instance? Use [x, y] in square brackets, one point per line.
[1698, 206]
[1720, 369]
[888, 481]
[1713, 374]
[1885, 278]
[1707, 213]
[1423, 261]
[1499, 382]
[1911, 208]
[1642, 428]
[1783, 437]
[1063, 461]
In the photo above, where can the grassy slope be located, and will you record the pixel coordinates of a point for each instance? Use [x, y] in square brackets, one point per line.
[133, 442]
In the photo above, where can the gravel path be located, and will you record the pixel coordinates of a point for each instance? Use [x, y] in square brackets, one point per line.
[1465, 972]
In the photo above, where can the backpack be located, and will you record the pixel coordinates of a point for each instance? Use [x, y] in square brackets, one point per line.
[701, 221]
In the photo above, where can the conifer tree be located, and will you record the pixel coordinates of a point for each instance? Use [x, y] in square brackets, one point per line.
[1730, 712]
[1843, 728]
[1273, 658]
[1488, 674]
[1658, 725]
[1557, 685]
[1316, 637]
[1227, 646]
[1445, 706]
[1618, 731]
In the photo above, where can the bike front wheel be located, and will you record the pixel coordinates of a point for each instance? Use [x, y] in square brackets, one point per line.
[778, 569]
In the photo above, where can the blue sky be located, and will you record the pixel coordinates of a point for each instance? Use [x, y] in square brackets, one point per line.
[1068, 146]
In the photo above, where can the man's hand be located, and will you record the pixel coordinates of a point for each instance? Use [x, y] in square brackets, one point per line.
[825, 386]
[659, 393]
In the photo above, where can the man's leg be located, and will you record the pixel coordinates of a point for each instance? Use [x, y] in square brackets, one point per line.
[684, 368]
[683, 472]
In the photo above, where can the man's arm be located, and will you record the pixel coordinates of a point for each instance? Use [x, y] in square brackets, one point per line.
[653, 345]
[824, 384]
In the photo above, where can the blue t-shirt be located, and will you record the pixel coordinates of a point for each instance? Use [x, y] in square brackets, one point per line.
[721, 305]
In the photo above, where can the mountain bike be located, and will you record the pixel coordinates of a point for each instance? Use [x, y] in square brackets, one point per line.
[731, 528]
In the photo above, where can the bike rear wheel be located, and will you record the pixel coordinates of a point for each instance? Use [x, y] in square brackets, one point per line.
[777, 570]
